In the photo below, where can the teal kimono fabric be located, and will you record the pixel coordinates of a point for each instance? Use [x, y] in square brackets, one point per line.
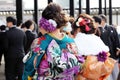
[39, 50]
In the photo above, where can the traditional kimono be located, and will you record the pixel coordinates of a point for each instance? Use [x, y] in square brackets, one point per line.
[97, 65]
[51, 59]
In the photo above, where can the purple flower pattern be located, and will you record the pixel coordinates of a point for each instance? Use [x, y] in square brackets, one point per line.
[102, 56]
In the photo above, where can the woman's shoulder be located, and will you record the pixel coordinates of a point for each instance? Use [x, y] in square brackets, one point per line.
[68, 39]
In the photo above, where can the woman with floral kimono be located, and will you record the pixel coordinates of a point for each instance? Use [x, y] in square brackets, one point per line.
[97, 65]
[52, 56]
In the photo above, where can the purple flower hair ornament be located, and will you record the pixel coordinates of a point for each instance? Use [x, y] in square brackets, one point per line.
[49, 25]
[102, 56]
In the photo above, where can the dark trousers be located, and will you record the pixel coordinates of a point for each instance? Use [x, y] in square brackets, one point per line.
[1, 57]
[1, 53]
[14, 68]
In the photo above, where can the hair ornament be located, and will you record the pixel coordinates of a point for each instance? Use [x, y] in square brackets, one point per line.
[82, 22]
[49, 25]
[53, 22]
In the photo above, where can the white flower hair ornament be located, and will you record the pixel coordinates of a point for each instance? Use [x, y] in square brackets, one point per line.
[53, 22]
[78, 22]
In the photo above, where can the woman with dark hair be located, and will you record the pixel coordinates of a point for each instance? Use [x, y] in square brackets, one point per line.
[30, 35]
[92, 48]
[53, 54]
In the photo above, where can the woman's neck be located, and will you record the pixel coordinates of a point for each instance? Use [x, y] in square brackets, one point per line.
[57, 34]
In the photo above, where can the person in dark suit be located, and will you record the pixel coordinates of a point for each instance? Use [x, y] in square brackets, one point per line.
[110, 38]
[29, 24]
[3, 41]
[15, 52]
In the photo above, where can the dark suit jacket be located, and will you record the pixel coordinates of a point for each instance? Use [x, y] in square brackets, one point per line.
[3, 42]
[16, 42]
[30, 37]
[110, 38]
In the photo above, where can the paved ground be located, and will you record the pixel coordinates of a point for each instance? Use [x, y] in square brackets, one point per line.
[2, 76]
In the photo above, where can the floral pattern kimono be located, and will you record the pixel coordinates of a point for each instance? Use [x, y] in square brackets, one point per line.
[52, 59]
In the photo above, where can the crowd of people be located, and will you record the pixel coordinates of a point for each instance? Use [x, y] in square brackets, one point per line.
[66, 48]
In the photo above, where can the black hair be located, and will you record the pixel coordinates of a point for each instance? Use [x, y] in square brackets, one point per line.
[11, 19]
[2, 27]
[28, 23]
[97, 19]
[23, 25]
[103, 17]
